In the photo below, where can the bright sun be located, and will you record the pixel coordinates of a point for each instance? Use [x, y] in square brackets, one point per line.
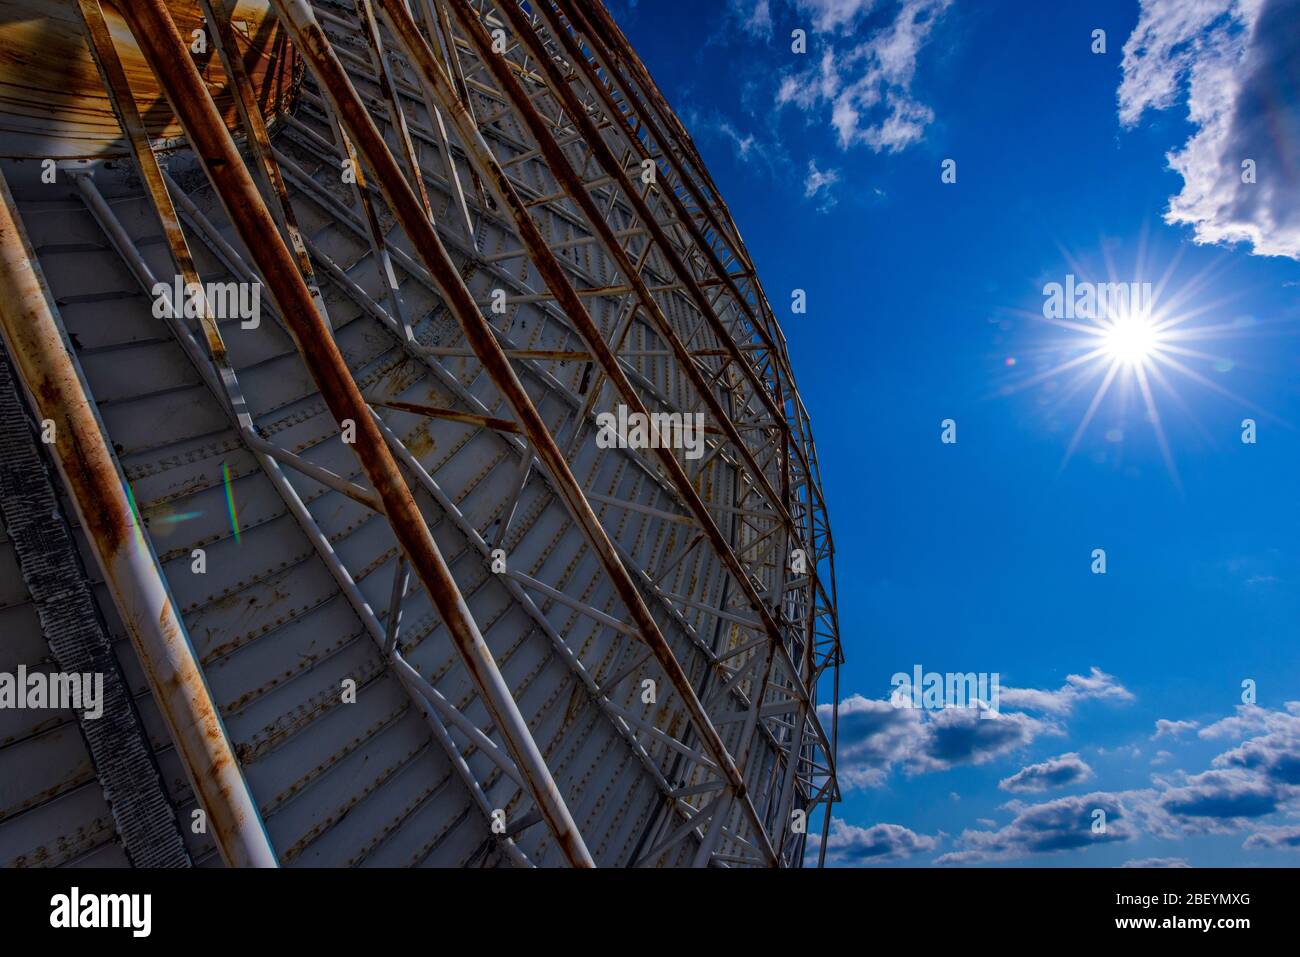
[1130, 343]
[1131, 339]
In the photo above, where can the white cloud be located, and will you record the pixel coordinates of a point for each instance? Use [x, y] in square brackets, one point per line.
[1065, 824]
[849, 844]
[755, 16]
[1172, 729]
[875, 737]
[1096, 685]
[1246, 789]
[1286, 838]
[1233, 60]
[1251, 719]
[1225, 795]
[819, 180]
[834, 14]
[868, 85]
[1057, 772]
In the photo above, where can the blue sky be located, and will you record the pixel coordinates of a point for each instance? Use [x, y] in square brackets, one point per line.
[926, 303]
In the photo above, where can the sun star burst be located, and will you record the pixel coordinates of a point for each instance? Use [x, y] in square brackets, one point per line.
[1131, 338]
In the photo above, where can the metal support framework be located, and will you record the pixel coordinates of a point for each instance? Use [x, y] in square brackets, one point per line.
[397, 18]
[479, 175]
[599, 695]
[588, 138]
[623, 77]
[267, 456]
[329, 72]
[393, 16]
[223, 381]
[162, 46]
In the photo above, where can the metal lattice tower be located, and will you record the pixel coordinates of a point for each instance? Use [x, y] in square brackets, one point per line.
[375, 590]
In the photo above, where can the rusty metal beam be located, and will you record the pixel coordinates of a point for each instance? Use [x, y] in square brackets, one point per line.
[451, 415]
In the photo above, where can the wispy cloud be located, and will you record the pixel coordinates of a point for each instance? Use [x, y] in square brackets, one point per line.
[820, 182]
[764, 153]
[746, 144]
[834, 14]
[1096, 685]
[856, 77]
[755, 16]
[866, 87]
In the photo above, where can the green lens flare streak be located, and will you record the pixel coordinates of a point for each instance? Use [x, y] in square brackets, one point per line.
[230, 501]
[135, 511]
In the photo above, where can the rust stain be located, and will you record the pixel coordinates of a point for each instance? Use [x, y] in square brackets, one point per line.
[53, 102]
[420, 442]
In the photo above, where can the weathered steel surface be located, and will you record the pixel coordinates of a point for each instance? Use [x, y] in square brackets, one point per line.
[49, 566]
[80, 452]
[54, 105]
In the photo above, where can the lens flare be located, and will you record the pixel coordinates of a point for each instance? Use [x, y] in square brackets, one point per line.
[1130, 338]
[230, 501]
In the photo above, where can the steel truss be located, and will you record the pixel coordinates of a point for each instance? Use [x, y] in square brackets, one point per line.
[544, 153]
